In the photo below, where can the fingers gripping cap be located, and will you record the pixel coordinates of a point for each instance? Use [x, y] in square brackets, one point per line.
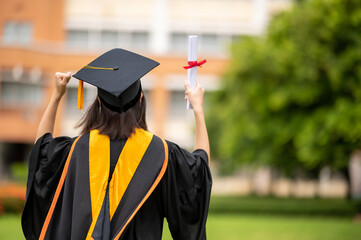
[117, 75]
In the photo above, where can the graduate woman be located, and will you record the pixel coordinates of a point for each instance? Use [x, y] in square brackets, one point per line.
[116, 180]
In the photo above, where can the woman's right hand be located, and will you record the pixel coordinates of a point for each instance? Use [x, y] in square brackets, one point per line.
[61, 80]
[195, 96]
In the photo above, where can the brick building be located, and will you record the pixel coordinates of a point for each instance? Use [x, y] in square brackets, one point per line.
[41, 37]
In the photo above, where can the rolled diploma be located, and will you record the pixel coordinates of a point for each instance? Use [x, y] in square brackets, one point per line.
[192, 56]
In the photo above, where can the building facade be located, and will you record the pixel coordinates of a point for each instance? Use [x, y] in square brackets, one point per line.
[41, 37]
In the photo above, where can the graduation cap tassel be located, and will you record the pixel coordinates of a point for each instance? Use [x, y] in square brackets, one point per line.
[80, 95]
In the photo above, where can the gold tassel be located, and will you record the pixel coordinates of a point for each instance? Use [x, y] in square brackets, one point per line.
[100, 68]
[80, 95]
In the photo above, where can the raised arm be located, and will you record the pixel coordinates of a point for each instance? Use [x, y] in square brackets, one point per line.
[47, 121]
[195, 97]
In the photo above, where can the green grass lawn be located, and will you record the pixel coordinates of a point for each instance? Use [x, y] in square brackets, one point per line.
[263, 227]
[10, 227]
[249, 227]
[252, 205]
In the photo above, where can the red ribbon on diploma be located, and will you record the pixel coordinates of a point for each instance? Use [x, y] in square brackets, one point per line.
[195, 64]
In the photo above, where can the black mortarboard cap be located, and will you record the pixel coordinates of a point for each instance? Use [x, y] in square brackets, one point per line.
[117, 75]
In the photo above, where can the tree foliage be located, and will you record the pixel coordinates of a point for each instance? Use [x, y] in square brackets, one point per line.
[291, 98]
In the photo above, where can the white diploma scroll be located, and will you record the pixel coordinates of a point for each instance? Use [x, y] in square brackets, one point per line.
[192, 56]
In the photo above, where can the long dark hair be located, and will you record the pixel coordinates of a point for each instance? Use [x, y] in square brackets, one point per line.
[118, 126]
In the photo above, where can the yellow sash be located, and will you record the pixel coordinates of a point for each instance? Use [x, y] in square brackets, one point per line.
[99, 164]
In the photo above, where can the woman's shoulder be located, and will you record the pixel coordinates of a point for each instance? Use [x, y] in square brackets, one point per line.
[175, 151]
[48, 138]
[178, 151]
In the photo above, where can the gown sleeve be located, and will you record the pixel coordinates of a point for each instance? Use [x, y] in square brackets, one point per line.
[46, 162]
[186, 193]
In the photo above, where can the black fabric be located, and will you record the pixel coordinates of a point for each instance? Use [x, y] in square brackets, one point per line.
[102, 227]
[186, 189]
[188, 178]
[72, 214]
[143, 179]
[125, 101]
[116, 148]
[45, 162]
[182, 196]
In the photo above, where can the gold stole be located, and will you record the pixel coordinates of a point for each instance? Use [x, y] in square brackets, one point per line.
[99, 164]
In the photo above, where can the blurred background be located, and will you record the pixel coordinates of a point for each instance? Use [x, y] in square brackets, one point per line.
[283, 98]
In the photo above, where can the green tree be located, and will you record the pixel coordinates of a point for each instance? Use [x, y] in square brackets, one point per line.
[291, 98]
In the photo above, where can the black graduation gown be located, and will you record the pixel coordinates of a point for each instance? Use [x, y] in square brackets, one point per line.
[182, 195]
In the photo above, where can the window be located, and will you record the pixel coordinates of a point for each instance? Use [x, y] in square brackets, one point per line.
[140, 40]
[77, 38]
[178, 107]
[82, 38]
[179, 125]
[17, 33]
[210, 43]
[20, 94]
[179, 42]
[10, 33]
[124, 39]
[207, 43]
[20, 91]
[109, 39]
[24, 33]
